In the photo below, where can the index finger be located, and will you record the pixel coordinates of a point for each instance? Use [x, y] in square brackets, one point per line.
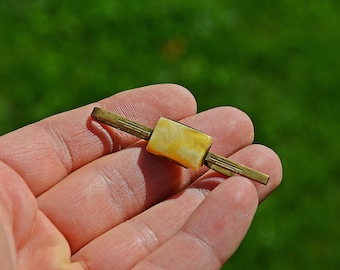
[45, 152]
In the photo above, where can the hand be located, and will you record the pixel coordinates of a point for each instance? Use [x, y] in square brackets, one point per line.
[75, 194]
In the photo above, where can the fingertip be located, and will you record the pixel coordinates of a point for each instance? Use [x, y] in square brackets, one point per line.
[276, 165]
[240, 194]
[266, 160]
[181, 98]
[242, 119]
[270, 163]
[148, 103]
[260, 158]
[185, 94]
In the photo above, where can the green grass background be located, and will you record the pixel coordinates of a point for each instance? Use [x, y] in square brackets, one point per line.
[279, 61]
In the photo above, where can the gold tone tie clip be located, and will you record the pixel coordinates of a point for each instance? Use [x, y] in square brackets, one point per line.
[180, 143]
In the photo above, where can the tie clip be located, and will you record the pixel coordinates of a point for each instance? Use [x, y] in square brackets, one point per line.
[180, 143]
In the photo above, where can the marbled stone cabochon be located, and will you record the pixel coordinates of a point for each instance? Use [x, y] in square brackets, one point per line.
[179, 142]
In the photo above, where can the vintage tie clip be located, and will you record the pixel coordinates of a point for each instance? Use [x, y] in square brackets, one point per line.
[179, 143]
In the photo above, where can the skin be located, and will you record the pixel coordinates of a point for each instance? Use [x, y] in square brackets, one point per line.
[75, 194]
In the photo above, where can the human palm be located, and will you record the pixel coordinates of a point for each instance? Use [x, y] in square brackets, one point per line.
[78, 195]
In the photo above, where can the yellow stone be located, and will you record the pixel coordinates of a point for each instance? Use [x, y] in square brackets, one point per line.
[180, 143]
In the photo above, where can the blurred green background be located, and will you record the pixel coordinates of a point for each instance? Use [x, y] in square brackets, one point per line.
[279, 61]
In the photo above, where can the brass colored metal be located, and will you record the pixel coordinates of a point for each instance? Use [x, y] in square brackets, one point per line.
[121, 123]
[227, 167]
[215, 162]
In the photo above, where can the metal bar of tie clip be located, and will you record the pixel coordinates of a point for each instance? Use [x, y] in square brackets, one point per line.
[213, 161]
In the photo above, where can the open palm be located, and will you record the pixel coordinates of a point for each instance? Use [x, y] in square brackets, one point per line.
[78, 195]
